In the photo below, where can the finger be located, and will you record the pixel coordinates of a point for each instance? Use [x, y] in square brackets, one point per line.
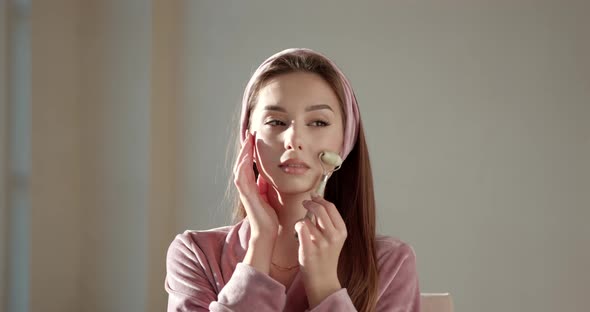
[306, 239]
[322, 217]
[246, 137]
[332, 212]
[262, 184]
[254, 147]
[314, 233]
[245, 148]
[262, 187]
[246, 153]
[242, 175]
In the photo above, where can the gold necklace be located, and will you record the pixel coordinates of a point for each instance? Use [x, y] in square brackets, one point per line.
[284, 269]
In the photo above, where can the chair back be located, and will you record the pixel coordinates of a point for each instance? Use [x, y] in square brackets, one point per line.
[436, 302]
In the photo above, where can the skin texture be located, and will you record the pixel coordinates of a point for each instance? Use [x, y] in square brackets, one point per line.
[297, 116]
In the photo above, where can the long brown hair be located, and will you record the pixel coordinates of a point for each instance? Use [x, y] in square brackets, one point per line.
[350, 188]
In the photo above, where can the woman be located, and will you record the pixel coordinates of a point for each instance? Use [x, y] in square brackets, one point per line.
[296, 105]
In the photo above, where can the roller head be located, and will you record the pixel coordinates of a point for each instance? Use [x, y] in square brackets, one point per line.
[331, 159]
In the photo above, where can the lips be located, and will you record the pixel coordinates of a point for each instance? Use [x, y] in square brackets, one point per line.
[293, 162]
[294, 166]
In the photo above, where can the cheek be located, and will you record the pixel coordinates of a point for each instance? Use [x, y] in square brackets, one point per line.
[332, 141]
[264, 150]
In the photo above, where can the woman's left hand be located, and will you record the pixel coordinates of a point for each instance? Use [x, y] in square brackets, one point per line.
[319, 249]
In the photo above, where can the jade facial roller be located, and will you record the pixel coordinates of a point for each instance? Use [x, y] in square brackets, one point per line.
[329, 159]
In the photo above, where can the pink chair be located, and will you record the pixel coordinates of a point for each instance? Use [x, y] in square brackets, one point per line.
[436, 302]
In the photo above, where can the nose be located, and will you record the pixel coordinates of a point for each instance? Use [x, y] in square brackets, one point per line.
[293, 138]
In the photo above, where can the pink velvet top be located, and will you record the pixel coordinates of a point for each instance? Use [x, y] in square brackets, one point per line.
[205, 273]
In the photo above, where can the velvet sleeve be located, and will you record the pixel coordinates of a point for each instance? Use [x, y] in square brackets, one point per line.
[190, 283]
[398, 292]
[398, 274]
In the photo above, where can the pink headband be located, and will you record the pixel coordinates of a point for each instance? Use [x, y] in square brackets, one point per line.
[350, 105]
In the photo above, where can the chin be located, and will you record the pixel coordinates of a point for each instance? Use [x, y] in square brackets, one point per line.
[292, 186]
[294, 191]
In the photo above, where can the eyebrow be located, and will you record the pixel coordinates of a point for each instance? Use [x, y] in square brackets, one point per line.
[307, 109]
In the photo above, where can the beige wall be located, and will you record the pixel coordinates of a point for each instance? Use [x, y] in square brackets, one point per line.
[115, 143]
[55, 149]
[128, 57]
[164, 132]
[477, 115]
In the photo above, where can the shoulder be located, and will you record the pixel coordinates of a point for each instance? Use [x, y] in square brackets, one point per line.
[193, 240]
[398, 278]
[196, 262]
[202, 247]
[395, 258]
[387, 246]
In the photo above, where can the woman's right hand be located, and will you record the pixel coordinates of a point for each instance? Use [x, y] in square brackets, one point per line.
[264, 223]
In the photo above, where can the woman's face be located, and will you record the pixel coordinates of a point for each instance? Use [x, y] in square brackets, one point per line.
[297, 116]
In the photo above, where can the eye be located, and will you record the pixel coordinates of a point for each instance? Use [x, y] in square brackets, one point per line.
[319, 123]
[274, 123]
